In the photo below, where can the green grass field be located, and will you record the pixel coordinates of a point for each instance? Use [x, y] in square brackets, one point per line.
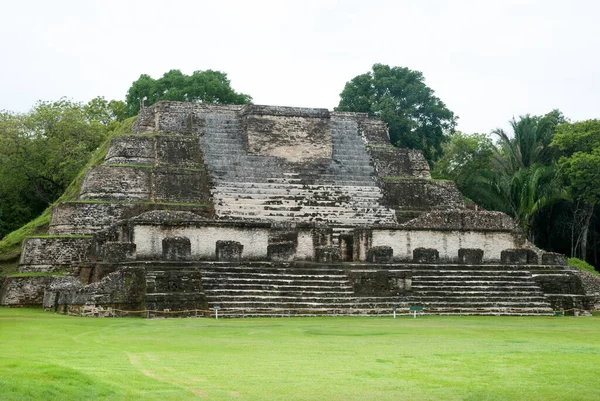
[52, 357]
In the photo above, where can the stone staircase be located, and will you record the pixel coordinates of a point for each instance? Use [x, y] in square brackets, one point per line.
[261, 289]
[480, 290]
[342, 190]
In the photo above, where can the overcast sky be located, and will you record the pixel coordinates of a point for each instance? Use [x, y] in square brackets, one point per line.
[487, 60]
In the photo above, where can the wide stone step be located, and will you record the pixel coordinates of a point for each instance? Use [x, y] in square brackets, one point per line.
[485, 293]
[473, 272]
[480, 287]
[460, 299]
[275, 276]
[228, 292]
[293, 286]
[469, 278]
[248, 200]
[475, 281]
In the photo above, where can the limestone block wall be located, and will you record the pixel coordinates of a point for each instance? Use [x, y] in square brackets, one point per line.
[91, 217]
[447, 243]
[50, 254]
[203, 239]
[23, 291]
[116, 183]
[420, 194]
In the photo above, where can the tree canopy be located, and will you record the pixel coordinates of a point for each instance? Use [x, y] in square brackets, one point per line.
[43, 150]
[202, 86]
[415, 117]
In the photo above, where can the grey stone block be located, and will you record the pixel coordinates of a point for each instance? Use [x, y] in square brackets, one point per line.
[327, 254]
[380, 254]
[519, 257]
[425, 255]
[470, 256]
[176, 248]
[229, 251]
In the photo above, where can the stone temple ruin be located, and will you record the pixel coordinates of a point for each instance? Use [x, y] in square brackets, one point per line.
[261, 210]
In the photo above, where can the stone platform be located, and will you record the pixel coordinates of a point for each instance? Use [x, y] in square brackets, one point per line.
[265, 210]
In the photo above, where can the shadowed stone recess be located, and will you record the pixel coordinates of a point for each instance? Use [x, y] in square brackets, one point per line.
[470, 256]
[380, 254]
[519, 257]
[425, 255]
[113, 251]
[327, 254]
[229, 251]
[176, 248]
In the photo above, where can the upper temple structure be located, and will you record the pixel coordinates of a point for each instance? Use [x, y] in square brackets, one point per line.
[256, 210]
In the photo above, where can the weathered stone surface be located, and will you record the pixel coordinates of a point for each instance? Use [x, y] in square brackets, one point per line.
[176, 248]
[281, 251]
[178, 151]
[52, 253]
[380, 254]
[420, 194]
[116, 183]
[229, 251]
[425, 255]
[294, 192]
[131, 150]
[23, 291]
[391, 161]
[124, 289]
[327, 254]
[464, 220]
[559, 283]
[113, 251]
[295, 138]
[91, 217]
[380, 283]
[556, 259]
[470, 256]
[519, 257]
[180, 185]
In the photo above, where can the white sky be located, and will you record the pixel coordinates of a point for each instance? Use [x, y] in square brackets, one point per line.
[487, 60]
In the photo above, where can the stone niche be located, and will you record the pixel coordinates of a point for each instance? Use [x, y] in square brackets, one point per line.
[176, 248]
[380, 254]
[519, 257]
[425, 255]
[470, 256]
[229, 251]
[327, 254]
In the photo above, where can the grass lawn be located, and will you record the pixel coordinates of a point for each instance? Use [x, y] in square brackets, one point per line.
[53, 357]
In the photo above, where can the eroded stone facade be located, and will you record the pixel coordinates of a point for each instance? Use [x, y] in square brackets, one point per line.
[260, 208]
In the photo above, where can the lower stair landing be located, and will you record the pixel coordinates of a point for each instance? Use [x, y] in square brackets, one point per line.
[347, 289]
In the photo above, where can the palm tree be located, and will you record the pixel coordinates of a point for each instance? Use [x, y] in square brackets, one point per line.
[523, 180]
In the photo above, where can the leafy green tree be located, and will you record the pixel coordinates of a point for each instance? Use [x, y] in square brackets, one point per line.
[415, 117]
[202, 86]
[43, 150]
[463, 157]
[579, 168]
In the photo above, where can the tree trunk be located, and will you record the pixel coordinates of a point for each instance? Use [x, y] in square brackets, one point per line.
[587, 217]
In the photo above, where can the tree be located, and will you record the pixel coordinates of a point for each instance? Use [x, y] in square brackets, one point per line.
[463, 157]
[415, 117]
[516, 176]
[579, 168]
[202, 86]
[43, 150]
[529, 143]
